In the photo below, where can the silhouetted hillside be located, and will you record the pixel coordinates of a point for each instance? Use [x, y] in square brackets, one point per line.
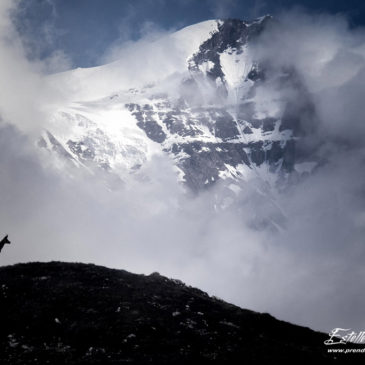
[65, 313]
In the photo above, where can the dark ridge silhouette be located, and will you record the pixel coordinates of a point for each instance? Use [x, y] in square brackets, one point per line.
[70, 313]
[4, 242]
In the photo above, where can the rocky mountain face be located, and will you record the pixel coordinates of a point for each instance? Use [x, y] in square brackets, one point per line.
[217, 112]
[64, 313]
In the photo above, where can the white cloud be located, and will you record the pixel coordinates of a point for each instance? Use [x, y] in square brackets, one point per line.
[25, 98]
[311, 273]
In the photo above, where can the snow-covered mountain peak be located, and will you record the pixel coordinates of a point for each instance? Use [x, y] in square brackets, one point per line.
[143, 62]
[198, 95]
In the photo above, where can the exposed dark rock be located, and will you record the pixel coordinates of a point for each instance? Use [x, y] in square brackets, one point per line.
[57, 147]
[144, 116]
[82, 149]
[232, 34]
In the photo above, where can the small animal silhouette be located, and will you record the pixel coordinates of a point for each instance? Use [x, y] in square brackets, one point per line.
[3, 242]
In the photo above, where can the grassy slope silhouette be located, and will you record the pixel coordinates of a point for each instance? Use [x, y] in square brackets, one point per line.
[71, 313]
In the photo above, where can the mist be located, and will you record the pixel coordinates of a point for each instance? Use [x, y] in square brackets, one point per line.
[310, 273]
